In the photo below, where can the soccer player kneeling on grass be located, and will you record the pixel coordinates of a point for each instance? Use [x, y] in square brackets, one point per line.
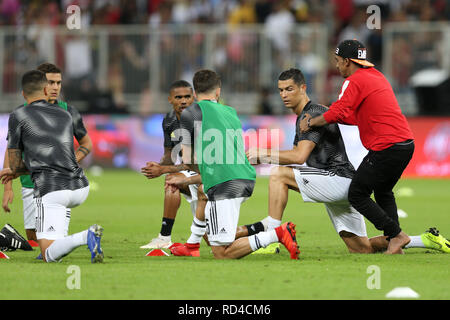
[44, 134]
[54, 78]
[181, 96]
[326, 178]
[212, 137]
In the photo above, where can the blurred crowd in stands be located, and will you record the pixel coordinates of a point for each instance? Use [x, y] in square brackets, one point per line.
[343, 19]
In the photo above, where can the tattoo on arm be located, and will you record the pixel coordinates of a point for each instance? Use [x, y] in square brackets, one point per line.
[16, 163]
[84, 150]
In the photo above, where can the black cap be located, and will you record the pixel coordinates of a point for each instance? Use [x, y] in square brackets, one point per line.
[353, 50]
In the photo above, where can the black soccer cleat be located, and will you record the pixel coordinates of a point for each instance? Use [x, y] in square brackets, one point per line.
[16, 241]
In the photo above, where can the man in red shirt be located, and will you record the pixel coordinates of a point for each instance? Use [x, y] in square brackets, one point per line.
[368, 101]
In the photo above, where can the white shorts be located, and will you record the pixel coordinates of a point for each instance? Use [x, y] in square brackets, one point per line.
[222, 217]
[29, 209]
[325, 187]
[193, 188]
[51, 212]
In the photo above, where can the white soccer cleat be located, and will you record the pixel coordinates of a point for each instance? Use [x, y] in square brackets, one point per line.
[161, 242]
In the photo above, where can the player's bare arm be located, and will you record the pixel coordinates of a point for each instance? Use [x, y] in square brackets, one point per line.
[166, 159]
[8, 194]
[16, 163]
[16, 166]
[298, 155]
[84, 149]
[175, 182]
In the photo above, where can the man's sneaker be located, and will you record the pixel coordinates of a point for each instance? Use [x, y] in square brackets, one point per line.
[161, 242]
[186, 250]
[39, 257]
[433, 240]
[16, 241]
[94, 236]
[270, 249]
[286, 235]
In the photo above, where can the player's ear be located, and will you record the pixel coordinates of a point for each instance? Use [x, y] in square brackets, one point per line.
[217, 94]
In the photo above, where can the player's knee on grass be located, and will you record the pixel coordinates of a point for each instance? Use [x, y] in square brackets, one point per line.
[356, 244]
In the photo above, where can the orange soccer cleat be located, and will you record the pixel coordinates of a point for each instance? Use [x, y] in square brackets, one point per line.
[286, 235]
[186, 250]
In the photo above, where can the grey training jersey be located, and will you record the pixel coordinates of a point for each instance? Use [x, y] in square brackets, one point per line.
[45, 134]
[329, 153]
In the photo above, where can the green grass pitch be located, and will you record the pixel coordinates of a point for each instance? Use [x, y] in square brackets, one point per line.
[129, 207]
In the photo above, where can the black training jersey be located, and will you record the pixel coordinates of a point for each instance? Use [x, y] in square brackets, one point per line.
[45, 135]
[79, 130]
[189, 118]
[171, 126]
[329, 153]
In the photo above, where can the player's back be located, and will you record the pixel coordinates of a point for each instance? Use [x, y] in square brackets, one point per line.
[220, 151]
[45, 134]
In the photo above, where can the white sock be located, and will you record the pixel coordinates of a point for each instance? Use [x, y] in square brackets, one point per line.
[416, 242]
[270, 223]
[62, 247]
[198, 229]
[262, 239]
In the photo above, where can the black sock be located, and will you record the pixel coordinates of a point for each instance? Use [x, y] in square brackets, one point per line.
[166, 227]
[4, 243]
[255, 228]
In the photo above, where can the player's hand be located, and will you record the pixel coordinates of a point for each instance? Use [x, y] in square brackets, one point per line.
[6, 175]
[252, 156]
[304, 127]
[175, 182]
[152, 170]
[8, 196]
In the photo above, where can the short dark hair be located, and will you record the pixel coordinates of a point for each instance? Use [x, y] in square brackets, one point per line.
[48, 68]
[295, 74]
[180, 84]
[33, 81]
[205, 81]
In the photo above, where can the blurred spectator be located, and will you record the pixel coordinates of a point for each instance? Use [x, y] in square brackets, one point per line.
[264, 105]
[277, 29]
[357, 28]
[279, 24]
[243, 13]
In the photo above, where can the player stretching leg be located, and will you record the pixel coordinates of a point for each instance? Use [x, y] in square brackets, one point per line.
[44, 135]
[54, 77]
[326, 179]
[228, 178]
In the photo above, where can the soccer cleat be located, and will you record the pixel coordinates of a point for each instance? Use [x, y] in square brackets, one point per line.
[270, 249]
[161, 242]
[286, 235]
[94, 236]
[15, 239]
[39, 257]
[433, 240]
[186, 250]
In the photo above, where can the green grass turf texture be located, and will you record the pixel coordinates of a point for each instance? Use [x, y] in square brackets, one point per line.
[129, 207]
